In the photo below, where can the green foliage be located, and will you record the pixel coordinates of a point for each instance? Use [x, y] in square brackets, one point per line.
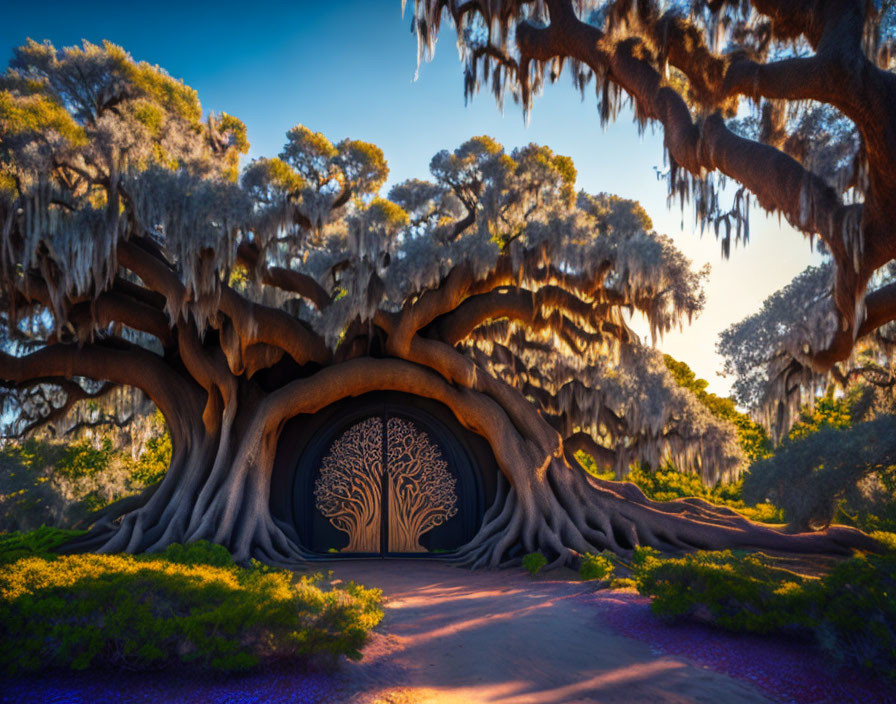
[885, 538]
[200, 552]
[590, 466]
[533, 562]
[642, 556]
[56, 483]
[363, 165]
[850, 612]
[41, 542]
[266, 178]
[856, 613]
[82, 459]
[38, 114]
[386, 213]
[623, 583]
[828, 412]
[595, 567]
[155, 459]
[751, 436]
[738, 593]
[812, 475]
[235, 128]
[668, 484]
[189, 605]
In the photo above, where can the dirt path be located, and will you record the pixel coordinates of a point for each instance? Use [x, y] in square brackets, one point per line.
[451, 635]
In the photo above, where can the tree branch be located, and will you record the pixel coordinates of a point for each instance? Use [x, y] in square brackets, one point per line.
[284, 279]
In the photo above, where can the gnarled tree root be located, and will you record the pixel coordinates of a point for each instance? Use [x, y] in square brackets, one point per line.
[578, 514]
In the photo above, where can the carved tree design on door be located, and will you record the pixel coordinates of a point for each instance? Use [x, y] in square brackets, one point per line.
[421, 490]
[348, 489]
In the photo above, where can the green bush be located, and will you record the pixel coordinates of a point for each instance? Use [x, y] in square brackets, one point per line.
[595, 567]
[82, 611]
[738, 593]
[856, 613]
[201, 552]
[849, 612]
[533, 562]
[36, 543]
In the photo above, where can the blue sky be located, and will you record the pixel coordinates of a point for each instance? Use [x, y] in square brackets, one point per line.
[346, 69]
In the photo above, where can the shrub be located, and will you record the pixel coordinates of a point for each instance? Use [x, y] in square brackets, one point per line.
[533, 562]
[856, 613]
[595, 567]
[850, 612]
[738, 593]
[643, 555]
[82, 611]
[200, 552]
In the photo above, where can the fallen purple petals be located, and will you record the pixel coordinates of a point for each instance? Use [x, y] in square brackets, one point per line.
[787, 669]
[92, 687]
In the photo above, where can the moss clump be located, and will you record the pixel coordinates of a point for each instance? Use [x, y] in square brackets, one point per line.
[189, 605]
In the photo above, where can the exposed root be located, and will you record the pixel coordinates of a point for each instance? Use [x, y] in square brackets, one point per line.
[578, 514]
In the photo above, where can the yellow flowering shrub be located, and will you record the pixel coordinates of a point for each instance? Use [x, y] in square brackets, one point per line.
[88, 610]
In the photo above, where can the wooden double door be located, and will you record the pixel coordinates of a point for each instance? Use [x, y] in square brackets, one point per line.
[385, 482]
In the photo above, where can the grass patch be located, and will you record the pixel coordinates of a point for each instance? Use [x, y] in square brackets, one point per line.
[41, 542]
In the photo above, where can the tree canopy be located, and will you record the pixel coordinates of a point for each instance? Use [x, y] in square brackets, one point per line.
[792, 102]
[544, 276]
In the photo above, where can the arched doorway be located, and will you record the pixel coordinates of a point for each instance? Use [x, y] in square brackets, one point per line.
[383, 474]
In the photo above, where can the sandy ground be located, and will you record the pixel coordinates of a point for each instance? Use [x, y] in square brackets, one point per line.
[451, 635]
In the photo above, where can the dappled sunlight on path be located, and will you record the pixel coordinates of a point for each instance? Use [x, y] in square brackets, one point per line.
[461, 636]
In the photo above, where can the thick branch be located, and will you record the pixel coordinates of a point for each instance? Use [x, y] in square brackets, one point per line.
[74, 393]
[522, 306]
[255, 323]
[284, 279]
[134, 367]
[880, 309]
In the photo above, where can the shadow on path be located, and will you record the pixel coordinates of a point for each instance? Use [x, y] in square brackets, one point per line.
[453, 635]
